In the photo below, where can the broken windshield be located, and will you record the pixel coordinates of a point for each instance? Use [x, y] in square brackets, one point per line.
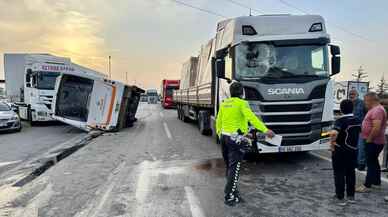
[258, 60]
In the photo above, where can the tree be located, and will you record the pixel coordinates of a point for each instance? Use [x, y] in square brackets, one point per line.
[360, 74]
[382, 87]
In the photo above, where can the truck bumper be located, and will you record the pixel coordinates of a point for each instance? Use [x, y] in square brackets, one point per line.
[322, 144]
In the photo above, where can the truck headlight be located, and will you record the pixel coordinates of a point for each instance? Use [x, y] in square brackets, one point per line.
[325, 132]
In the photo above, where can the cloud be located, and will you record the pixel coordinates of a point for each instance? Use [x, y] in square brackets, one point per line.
[55, 27]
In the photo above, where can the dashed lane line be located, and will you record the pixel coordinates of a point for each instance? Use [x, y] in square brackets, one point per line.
[195, 205]
[3, 164]
[362, 172]
[167, 130]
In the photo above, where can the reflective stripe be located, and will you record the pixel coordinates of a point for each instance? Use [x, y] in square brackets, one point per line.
[228, 134]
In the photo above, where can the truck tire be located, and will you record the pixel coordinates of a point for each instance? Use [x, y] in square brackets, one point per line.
[185, 118]
[178, 111]
[204, 122]
[32, 123]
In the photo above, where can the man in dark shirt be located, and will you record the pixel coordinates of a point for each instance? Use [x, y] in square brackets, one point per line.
[359, 112]
[344, 140]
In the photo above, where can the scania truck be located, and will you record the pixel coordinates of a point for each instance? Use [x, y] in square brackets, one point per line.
[284, 62]
[30, 81]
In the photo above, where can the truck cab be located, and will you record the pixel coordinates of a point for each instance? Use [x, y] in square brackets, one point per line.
[167, 89]
[285, 64]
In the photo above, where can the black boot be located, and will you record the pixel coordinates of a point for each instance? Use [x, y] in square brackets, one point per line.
[239, 199]
[230, 200]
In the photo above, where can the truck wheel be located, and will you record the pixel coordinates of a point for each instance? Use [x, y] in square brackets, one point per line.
[183, 115]
[32, 123]
[178, 111]
[204, 123]
[185, 118]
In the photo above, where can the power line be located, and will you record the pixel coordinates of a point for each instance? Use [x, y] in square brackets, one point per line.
[200, 9]
[245, 6]
[334, 25]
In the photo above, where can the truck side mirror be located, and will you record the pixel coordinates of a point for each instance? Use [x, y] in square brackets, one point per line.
[28, 77]
[335, 50]
[220, 68]
[335, 59]
[335, 65]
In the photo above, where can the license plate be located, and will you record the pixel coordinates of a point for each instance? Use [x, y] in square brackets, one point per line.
[3, 124]
[290, 148]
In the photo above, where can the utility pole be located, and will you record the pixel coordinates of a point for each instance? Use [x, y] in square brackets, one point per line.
[250, 12]
[126, 77]
[360, 74]
[109, 69]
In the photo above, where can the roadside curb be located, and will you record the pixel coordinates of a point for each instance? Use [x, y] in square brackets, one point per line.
[38, 166]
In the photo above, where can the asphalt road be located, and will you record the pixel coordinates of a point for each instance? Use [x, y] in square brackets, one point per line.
[163, 167]
[18, 147]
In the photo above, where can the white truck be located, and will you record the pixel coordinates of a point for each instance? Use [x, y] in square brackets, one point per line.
[30, 81]
[342, 89]
[285, 64]
[90, 102]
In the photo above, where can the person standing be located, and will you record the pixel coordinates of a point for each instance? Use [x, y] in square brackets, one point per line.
[373, 130]
[359, 112]
[344, 141]
[233, 117]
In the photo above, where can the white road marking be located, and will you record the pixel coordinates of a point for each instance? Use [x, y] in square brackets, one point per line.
[3, 164]
[362, 172]
[143, 187]
[195, 205]
[167, 130]
[95, 209]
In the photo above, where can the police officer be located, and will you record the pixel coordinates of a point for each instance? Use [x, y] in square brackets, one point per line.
[233, 117]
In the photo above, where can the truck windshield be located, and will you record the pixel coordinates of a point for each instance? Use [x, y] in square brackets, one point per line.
[170, 90]
[46, 80]
[258, 60]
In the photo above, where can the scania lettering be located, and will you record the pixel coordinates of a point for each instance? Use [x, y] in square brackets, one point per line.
[283, 91]
[285, 64]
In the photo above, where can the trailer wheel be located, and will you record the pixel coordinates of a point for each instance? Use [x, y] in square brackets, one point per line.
[178, 111]
[204, 123]
[185, 118]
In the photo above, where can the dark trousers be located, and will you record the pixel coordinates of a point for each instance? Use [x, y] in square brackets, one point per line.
[232, 157]
[373, 174]
[344, 165]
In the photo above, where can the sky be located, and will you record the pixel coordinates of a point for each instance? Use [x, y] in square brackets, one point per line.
[150, 39]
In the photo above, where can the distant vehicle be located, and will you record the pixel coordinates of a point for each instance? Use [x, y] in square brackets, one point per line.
[9, 120]
[342, 89]
[285, 64]
[167, 91]
[30, 81]
[88, 101]
[152, 96]
[143, 97]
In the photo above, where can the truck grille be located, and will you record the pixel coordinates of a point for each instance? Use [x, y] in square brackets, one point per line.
[299, 122]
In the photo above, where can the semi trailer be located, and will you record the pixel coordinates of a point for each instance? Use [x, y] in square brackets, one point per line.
[285, 64]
